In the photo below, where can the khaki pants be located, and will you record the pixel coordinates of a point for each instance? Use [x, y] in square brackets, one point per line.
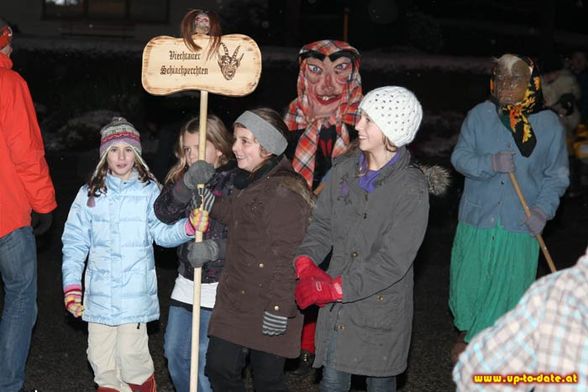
[119, 355]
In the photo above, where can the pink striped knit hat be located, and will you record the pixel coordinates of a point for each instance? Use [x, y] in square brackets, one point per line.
[119, 130]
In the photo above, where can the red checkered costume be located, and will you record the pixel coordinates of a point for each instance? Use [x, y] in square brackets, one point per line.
[299, 109]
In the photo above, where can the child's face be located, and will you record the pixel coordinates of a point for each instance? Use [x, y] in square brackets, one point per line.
[247, 150]
[121, 160]
[371, 138]
[191, 141]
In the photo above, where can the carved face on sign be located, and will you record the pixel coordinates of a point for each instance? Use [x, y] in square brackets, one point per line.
[228, 63]
[325, 82]
[202, 23]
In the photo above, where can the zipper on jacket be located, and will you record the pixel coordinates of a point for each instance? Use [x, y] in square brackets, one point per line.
[365, 207]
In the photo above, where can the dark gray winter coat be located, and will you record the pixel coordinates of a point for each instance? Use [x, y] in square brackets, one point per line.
[375, 237]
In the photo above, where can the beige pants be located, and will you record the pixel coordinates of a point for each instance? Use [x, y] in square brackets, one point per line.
[119, 355]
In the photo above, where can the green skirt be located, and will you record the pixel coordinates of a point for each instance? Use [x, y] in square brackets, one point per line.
[490, 271]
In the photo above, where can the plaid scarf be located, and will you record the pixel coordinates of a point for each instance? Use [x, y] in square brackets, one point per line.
[299, 110]
[515, 117]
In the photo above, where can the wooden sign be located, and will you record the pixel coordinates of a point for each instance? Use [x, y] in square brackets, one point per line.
[169, 66]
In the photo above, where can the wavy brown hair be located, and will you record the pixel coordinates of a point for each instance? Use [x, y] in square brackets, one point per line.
[96, 183]
[216, 133]
[187, 29]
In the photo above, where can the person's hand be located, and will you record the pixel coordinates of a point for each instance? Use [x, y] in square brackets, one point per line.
[72, 299]
[198, 253]
[305, 267]
[205, 198]
[536, 221]
[200, 172]
[198, 221]
[273, 324]
[311, 291]
[41, 222]
[503, 162]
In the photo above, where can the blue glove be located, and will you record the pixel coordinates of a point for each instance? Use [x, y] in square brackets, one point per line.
[273, 325]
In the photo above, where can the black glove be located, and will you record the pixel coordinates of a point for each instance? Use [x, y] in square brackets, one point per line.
[41, 222]
[273, 325]
[198, 173]
[198, 253]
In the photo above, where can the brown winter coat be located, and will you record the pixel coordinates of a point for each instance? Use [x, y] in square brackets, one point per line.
[375, 237]
[266, 222]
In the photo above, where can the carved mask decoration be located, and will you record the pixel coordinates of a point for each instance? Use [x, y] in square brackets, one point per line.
[202, 23]
[511, 82]
[328, 79]
[325, 82]
[228, 63]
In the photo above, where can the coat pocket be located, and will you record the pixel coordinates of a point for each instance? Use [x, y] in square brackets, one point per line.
[237, 295]
[378, 312]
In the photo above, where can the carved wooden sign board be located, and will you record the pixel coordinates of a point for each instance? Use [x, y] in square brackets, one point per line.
[170, 66]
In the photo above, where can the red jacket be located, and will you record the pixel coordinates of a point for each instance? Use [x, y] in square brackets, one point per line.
[25, 184]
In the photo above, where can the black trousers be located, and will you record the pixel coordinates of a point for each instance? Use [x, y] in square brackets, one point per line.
[225, 362]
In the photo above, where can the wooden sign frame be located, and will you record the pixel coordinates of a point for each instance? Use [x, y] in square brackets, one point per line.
[169, 66]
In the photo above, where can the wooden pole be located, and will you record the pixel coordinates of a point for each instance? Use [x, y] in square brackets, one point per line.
[346, 24]
[198, 238]
[539, 238]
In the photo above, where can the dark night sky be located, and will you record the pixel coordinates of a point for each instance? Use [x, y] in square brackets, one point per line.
[468, 27]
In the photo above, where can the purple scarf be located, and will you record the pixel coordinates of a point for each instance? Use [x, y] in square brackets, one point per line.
[367, 182]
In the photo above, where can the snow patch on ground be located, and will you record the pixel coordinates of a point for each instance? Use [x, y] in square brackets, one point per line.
[373, 60]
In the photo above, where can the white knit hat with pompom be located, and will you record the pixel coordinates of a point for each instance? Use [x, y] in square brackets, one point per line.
[396, 111]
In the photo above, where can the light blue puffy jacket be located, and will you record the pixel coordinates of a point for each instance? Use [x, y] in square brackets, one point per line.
[116, 235]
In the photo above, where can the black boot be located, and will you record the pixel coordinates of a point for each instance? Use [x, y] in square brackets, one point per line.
[305, 361]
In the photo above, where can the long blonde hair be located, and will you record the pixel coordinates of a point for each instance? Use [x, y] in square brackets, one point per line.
[216, 133]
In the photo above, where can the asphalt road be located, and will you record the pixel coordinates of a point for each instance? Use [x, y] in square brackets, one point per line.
[57, 360]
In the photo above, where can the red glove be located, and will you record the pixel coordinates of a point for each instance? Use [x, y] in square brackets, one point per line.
[306, 268]
[312, 291]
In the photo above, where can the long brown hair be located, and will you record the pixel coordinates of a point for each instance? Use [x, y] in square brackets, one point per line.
[216, 133]
[187, 29]
[96, 183]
